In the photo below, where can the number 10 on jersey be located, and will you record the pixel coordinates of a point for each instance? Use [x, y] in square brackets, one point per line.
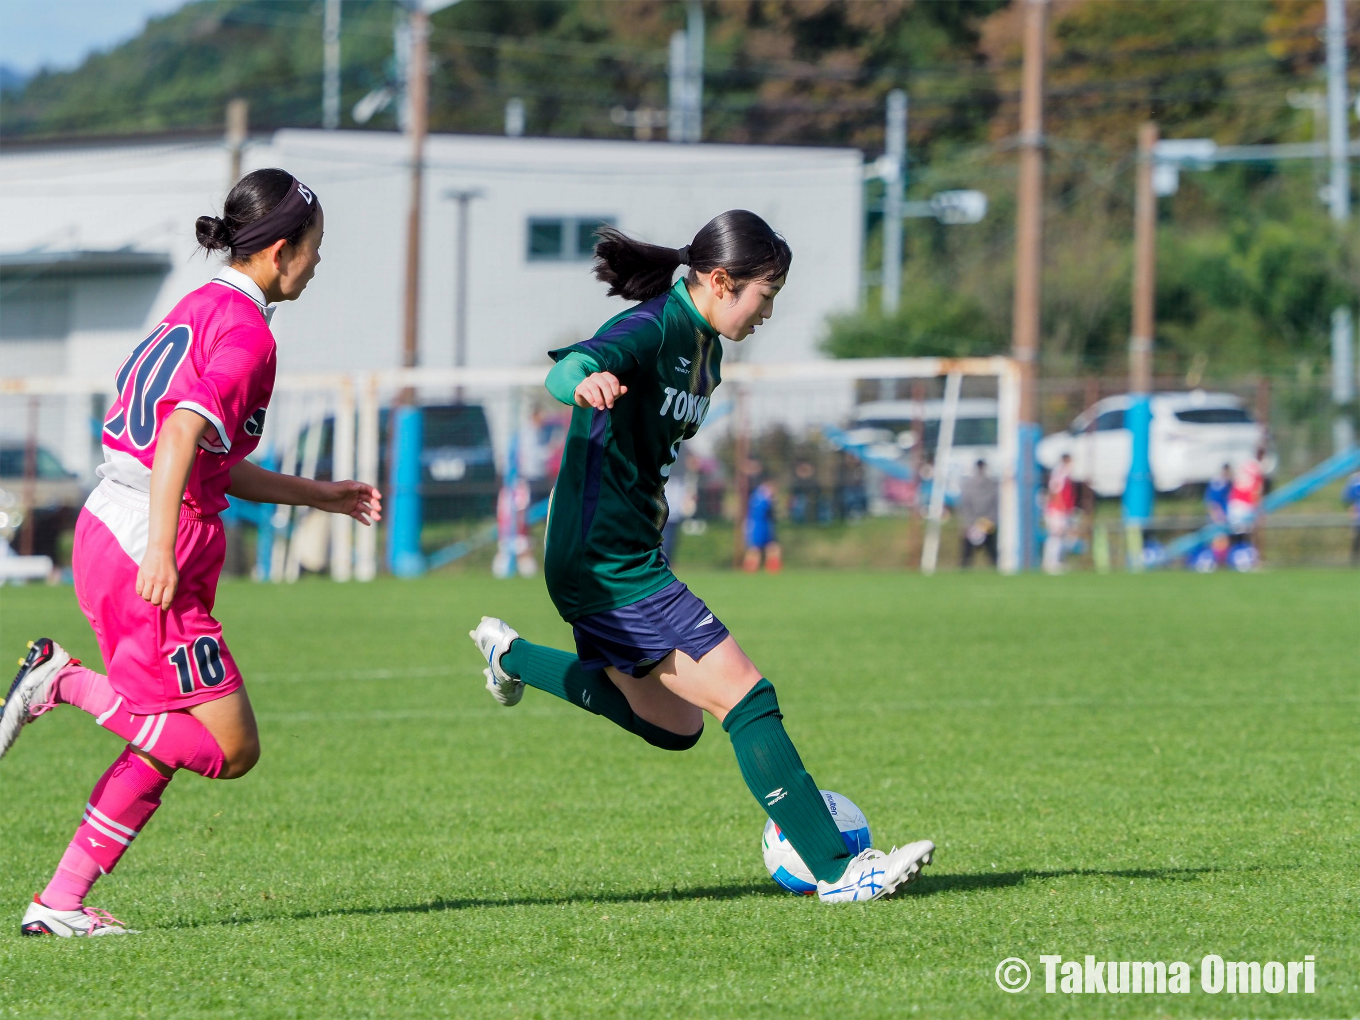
[207, 657]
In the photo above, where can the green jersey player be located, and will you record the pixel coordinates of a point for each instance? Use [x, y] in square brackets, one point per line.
[650, 655]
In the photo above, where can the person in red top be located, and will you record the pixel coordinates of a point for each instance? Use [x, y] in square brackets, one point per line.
[149, 545]
[1244, 498]
[1062, 503]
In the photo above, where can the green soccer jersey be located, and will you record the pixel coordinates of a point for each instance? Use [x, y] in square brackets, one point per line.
[609, 504]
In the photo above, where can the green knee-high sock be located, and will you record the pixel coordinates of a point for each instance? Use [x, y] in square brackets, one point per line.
[560, 673]
[775, 774]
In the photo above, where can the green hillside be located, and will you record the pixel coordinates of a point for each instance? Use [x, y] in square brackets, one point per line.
[1249, 265]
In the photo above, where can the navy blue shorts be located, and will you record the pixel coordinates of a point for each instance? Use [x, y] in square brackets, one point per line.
[634, 638]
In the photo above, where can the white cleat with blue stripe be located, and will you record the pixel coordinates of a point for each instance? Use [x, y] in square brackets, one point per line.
[493, 638]
[874, 875]
[32, 688]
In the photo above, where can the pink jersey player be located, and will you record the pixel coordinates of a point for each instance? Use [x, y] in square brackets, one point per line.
[214, 355]
[149, 544]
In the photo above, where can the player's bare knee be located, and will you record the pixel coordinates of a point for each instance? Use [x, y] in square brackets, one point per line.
[241, 759]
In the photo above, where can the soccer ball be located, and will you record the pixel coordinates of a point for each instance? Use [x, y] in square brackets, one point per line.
[782, 860]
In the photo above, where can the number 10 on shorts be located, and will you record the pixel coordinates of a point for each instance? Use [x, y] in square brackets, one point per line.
[207, 658]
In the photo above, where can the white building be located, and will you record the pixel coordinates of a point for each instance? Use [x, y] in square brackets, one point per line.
[97, 243]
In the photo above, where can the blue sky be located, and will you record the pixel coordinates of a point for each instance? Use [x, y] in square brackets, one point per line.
[58, 34]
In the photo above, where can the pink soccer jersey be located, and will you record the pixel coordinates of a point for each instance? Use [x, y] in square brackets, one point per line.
[213, 355]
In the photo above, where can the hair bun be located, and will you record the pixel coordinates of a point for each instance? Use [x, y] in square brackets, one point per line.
[212, 233]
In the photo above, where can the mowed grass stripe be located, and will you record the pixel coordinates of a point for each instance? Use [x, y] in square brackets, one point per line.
[1149, 767]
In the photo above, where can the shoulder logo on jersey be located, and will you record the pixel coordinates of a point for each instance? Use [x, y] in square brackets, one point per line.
[254, 425]
[683, 366]
[143, 380]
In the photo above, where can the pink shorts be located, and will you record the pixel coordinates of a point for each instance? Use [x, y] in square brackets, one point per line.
[157, 660]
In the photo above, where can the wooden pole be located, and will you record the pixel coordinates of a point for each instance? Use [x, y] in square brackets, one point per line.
[1030, 210]
[1144, 266]
[1029, 268]
[418, 97]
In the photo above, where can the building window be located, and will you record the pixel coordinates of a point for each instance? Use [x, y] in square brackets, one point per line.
[34, 310]
[564, 238]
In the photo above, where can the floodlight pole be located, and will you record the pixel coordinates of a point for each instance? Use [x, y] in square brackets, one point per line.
[463, 197]
[1029, 265]
[330, 82]
[694, 71]
[895, 148]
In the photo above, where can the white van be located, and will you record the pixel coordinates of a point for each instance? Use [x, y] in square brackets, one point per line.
[1193, 435]
[893, 422]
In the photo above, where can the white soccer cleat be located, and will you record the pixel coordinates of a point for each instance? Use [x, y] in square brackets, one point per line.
[874, 875]
[40, 919]
[493, 639]
[32, 689]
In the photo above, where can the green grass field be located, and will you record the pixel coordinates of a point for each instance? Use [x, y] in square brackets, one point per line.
[1137, 767]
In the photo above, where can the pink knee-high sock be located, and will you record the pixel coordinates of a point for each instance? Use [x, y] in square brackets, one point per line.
[122, 802]
[76, 873]
[175, 738]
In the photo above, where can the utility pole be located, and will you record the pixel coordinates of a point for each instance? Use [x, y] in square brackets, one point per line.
[1029, 263]
[330, 81]
[1339, 200]
[687, 77]
[238, 127]
[417, 97]
[1138, 491]
[894, 180]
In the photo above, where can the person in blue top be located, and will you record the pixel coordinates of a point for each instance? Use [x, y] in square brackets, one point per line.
[762, 543]
[1216, 495]
[1350, 495]
[650, 655]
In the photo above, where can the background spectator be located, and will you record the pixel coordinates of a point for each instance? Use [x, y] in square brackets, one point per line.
[978, 495]
[1351, 497]
[761, 543]
[1062, 503]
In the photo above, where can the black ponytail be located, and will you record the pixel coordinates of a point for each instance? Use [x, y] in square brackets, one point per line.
[255, 195]
[738, 241]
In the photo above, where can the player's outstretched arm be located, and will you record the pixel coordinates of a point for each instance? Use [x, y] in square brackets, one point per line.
[353, 499]
[176, 447]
